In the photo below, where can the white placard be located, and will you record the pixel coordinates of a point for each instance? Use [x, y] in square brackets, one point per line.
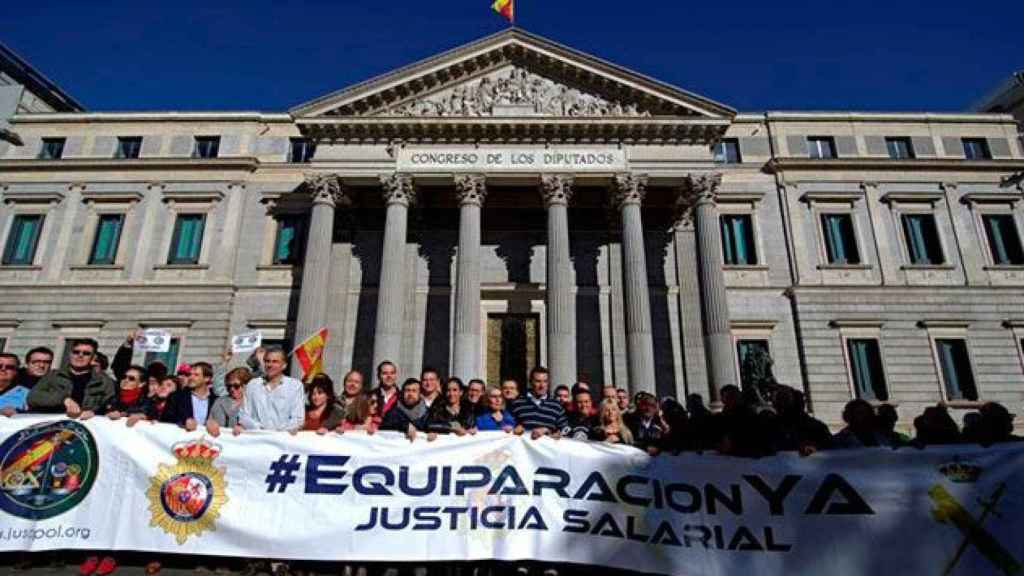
[153, 340]
[511, 160]
[246, 341]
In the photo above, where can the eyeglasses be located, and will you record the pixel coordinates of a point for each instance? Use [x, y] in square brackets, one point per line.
[131, 378]
[234, 386]
[8, 366]
[82, 352]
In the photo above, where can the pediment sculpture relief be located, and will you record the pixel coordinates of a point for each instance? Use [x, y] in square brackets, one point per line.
[515, 92]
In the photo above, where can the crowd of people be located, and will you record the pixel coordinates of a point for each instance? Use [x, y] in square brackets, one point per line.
[753, 422]
[260, 396]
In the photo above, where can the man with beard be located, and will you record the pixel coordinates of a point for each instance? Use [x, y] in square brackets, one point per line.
[409, 415]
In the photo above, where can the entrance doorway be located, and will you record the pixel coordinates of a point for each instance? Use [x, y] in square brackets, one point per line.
[513, 346]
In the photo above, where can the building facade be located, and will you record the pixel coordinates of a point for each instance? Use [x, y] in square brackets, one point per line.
[513, 202]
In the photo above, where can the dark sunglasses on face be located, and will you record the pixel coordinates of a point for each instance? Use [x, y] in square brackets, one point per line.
[131, 378]
[81, 352]
[8, 367]
[234, 386]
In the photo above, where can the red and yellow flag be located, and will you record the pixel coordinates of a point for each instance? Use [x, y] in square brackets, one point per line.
[506, 8]
[310, 354]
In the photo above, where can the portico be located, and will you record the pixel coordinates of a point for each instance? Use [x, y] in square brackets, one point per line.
[573, 145]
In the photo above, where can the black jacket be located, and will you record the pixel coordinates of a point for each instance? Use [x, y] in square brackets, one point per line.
[440, 420]
[179, 407]
[396, 420]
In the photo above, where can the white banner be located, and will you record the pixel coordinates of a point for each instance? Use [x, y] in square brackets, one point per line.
[100, 485]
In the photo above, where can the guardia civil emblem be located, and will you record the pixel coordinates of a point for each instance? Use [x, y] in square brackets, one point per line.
[47, 469]
[185, 499]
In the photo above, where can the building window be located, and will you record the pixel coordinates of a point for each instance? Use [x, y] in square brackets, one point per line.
[3, 344]
[128, 147]
[922, 238]
[187, 241]
[976, 149]
[738, 240]
[840, 240]
[866, 369]
[821, 147]
[53, 149]
[169, 358]
[206, 147]
[1003, 239]
[727, 151]
[955, 366]
[302, 150]
[23, 240]
[899, 148]
[745, 348]
[291, 235]
[108, 236]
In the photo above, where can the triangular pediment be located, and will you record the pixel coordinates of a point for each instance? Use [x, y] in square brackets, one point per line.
[513, 74]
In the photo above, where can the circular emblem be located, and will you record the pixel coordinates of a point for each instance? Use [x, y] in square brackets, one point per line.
[47, 469]
[186, 497]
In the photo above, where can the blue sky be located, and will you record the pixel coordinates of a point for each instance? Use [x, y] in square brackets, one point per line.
[270, 55]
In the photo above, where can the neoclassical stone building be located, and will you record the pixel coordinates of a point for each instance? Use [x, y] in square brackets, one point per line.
[514, 201]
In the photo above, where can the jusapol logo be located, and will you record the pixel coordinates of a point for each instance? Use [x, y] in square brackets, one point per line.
[47, 469]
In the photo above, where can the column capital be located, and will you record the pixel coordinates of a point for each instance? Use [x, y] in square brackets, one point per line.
[471, 188]
[704, 186]
[324, 188]
[630, 188]
[398, 188]
[556, 189]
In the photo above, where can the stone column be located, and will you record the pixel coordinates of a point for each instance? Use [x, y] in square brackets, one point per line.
[627, 195]
[471, 189]
[325, 192]
[717, 333]
[691, 319]
[561, 307]
[387, 337]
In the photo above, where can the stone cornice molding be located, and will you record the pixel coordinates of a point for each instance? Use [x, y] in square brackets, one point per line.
[398, 188]
[32, 197]
[135, 164]
[325, 189]
[471, 189]
[556, 189]
[885, 164]
[629, 189]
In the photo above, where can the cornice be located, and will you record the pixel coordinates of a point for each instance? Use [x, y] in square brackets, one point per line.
[154, 116]
[137, 164]
[903, 117]
[518, 129]
[883, 164]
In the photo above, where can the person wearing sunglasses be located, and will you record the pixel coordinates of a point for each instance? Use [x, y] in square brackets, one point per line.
[13, 396]
[75, 389]
[131, 394]
[224, 413]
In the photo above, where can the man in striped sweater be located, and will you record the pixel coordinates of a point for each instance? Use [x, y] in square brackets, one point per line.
[536, 412]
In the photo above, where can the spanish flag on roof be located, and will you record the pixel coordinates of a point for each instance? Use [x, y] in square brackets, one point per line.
[506, 8]
[310, 354]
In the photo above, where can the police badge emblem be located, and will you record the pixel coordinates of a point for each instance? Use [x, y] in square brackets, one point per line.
[185, 499]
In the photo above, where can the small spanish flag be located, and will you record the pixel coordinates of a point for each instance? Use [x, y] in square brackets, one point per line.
[506, 8]
[310, 354]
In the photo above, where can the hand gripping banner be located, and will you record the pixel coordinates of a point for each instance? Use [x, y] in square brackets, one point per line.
[103, 486]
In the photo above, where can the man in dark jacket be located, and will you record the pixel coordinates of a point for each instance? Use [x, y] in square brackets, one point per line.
[75, 389]
[190, 407]
[38, 363]
[409, 414]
